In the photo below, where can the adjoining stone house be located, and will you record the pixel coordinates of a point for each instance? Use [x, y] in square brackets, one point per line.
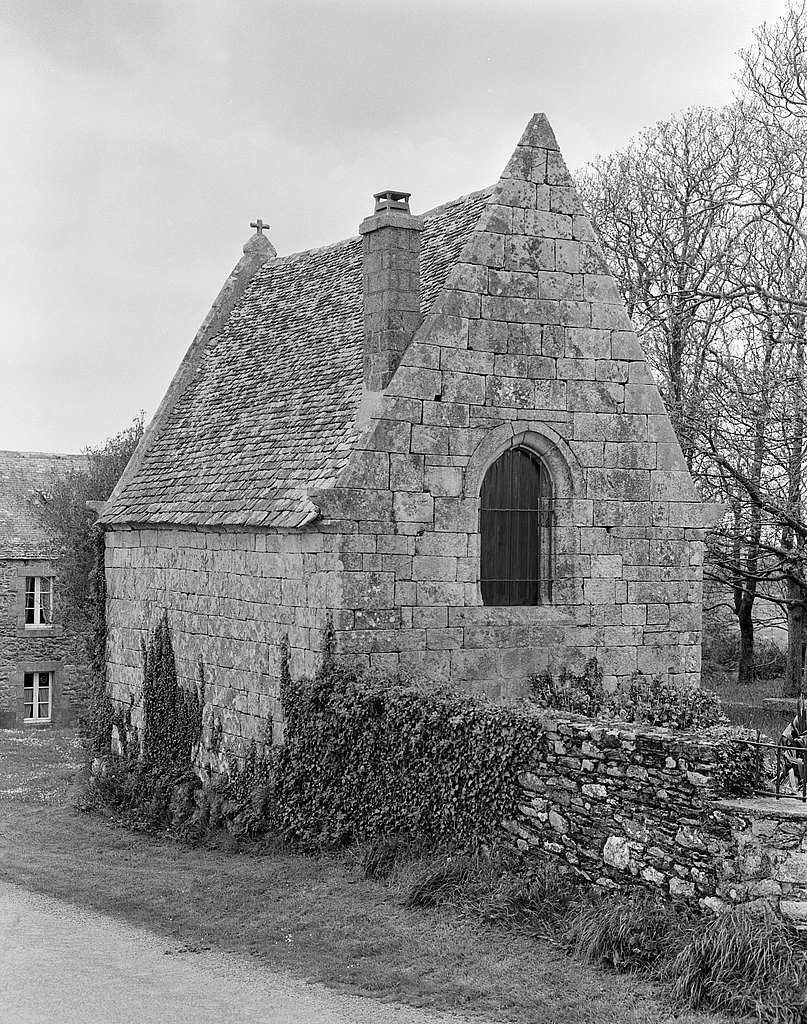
[443, 434]
[42, 678]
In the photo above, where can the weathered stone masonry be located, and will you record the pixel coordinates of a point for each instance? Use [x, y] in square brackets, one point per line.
[22, 650]
[267, 585]
[529, 344]
[640, 807]
[27, 549]
[523, 341]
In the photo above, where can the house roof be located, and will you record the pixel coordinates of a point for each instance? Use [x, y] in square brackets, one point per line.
[268, 412]
[24, 478]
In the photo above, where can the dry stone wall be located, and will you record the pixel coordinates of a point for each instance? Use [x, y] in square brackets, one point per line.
[769, 857]
[632, 807]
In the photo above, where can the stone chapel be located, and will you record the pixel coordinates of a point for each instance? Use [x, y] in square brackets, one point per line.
[443, 435]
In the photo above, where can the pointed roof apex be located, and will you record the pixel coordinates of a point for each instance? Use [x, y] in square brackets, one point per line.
[259, 245]
[539, 133]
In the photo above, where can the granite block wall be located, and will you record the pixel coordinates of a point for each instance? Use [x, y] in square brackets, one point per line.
[768, 859]
[528, 345]
[231, 597]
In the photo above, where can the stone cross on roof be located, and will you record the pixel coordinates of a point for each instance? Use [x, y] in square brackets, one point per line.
[259, 225]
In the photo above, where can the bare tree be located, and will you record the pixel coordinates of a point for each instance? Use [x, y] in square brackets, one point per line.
[663, 208]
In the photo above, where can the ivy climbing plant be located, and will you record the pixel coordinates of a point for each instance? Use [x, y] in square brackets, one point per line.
[172, 715]
[366, 757]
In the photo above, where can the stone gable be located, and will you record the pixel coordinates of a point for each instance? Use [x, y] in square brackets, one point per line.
[528, 344]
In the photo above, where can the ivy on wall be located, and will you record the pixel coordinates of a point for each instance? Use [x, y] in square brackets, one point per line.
[172, 715]
[99, 715]
[366, 757]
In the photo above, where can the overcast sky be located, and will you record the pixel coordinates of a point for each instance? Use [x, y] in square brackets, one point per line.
[141, 137]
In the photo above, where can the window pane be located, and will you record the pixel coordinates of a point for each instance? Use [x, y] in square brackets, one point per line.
[46, 600]
[515, 554]
[29, 600]
[29, 711]
[44, 710]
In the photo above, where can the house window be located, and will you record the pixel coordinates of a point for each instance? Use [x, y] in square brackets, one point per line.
[517, 525]
[37, 695]
[38, 601]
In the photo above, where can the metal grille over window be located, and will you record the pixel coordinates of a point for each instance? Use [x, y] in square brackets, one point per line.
[38, 601]
[517, 526]
[37, 696]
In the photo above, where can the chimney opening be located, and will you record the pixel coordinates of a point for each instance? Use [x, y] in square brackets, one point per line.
[392, 200]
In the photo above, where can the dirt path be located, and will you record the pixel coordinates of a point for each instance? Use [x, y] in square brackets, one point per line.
[60, 963]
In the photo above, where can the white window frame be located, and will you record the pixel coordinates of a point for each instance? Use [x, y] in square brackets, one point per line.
[42, 610]
[36, 687]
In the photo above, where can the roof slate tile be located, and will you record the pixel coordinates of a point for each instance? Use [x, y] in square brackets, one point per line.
[25, 477]
[269, 414]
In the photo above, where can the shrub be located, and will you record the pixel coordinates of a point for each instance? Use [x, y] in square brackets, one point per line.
[770, 660]
[743, 962]
[577, 694]
[627, 933]
[156, 784]
[741, 768]
[172, 716]
[144, 792]
[721, 649]
[246, 803]
[656, 702]
[368, 757]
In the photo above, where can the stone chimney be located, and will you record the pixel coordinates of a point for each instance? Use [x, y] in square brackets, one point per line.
[391, 240]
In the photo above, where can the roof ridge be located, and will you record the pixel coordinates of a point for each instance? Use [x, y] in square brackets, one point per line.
[316, 250]
[488, 189]
[433, 212]
[41, 455]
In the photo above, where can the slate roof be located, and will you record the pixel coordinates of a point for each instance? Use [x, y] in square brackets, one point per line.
[269, 413]
[24, 478]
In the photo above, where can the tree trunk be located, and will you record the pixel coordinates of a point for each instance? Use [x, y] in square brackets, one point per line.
[795, 641]
[746, 672]
[794, 591]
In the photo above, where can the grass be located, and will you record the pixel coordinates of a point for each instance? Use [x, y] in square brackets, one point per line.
[628, 933]
[319, 918]
[743, 704]
[744, 963]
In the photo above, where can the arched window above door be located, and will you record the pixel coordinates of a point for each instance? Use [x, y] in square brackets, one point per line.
[517, 530]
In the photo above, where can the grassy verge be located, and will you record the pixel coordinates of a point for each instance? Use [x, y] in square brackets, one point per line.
[317, 917]
[744, 704]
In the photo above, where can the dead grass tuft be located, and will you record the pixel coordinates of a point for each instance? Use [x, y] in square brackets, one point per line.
[743, 962]
[625, 932]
